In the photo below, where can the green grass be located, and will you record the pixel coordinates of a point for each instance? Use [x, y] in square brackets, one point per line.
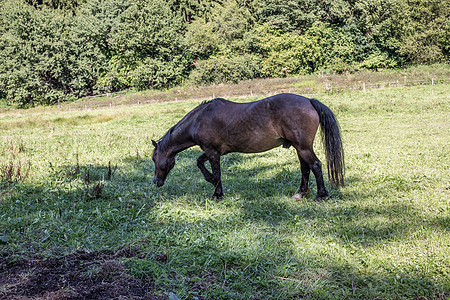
[386, 234]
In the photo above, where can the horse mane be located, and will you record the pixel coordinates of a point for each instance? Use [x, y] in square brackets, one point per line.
[164, 142]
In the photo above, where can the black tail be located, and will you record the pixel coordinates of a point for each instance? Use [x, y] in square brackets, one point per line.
[332, 142]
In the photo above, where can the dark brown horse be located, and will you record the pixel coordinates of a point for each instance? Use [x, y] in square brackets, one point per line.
[220, 126]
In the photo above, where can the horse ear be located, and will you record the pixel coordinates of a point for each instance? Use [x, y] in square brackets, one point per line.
[155, 144]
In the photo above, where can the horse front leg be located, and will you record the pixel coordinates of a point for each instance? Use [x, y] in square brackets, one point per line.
[214, 159]
[201, 165]
[215, 177]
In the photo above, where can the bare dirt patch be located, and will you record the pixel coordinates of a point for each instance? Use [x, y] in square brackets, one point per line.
[80, 275]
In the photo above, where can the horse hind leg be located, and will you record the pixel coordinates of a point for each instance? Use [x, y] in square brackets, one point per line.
[304, 185]
[309, 161]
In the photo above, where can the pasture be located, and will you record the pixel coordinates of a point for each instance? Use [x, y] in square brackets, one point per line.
[80, 216]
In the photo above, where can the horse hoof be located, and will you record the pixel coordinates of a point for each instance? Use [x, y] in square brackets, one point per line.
[297, 196]
[321, 198]
[217, 198]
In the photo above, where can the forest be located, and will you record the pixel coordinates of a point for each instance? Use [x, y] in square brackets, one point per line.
[56, 50]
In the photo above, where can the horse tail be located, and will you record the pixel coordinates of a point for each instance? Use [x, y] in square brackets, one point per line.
[332, 142]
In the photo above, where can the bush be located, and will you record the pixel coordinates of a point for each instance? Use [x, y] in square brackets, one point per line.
[35, 54]
[144, 43]
[53, 50]
[226, 70]
[47, 56]
[377, 61]
[320, 47]
[157, 74]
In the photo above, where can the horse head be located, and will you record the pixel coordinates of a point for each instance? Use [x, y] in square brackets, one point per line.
[164, 162]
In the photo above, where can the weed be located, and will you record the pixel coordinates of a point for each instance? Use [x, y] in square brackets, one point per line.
[96, 192]
[13, 169]
[74, 172]
[111, 171]
[138, 156]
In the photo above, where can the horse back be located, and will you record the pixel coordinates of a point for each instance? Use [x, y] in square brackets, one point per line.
[254, 126]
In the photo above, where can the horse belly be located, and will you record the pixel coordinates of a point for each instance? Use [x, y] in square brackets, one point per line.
[252, 143]
[263, 146]
[245, 128]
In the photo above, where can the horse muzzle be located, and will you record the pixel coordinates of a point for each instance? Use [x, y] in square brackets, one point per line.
[158, 181]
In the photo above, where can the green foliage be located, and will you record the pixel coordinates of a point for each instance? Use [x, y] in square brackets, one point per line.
[378, 60]
[223, 69]
[192, 9]
[158, 74]
[295, 15]
[320, 47]
[53, 50]
[68, 5]
[48, 56]
[279, 55]
[426, 35]
[201, 39]
[416, 31]
[34, 54]
[223, 33]
[141, 41]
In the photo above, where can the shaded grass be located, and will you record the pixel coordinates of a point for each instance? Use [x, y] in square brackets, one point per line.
[386, 234]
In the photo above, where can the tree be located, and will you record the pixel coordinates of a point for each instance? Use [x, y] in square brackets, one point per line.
[38, 65]
[426, 34]
[67, 5]
[49, 56]
[321, 47]
[148, 45]
[54, 50]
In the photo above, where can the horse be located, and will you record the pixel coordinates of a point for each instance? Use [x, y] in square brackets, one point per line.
[220, 127]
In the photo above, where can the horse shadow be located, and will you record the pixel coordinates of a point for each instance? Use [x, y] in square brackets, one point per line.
[242, 176]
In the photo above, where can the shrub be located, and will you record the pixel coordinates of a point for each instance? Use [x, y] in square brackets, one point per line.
[320, 47]
[378, 60]
[154, 73]
[226, 70]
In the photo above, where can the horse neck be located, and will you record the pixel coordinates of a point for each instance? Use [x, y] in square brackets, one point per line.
[180, 139]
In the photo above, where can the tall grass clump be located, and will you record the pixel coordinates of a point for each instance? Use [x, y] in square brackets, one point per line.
[14, 169]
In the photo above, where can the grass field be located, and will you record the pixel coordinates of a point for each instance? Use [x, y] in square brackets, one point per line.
[81, 182]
